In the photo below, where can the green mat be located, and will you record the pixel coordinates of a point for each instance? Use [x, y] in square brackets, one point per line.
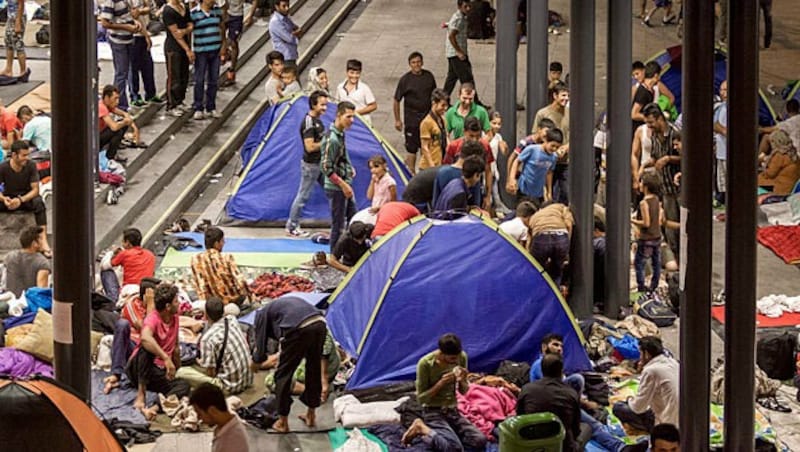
[177, 259]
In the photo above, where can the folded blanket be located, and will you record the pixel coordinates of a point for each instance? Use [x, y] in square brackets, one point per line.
[352, 413]
[783, 241]
[484, 406]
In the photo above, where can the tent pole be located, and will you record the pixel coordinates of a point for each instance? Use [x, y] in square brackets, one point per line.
[740, 234]
[506, 82]
[695, 259]
[581, 161]
[74, 101]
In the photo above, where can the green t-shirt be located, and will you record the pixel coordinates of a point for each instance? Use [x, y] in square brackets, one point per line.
[455, 122]
[429, 371]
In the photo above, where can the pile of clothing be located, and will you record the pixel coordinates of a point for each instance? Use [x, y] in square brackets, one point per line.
[775, 305]
[273, 285]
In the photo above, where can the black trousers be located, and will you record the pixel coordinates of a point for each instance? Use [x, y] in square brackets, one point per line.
[111, 140]
[35, 205]
[305, 343]
[177, 78]
[142, 369]
[766, 8]
[461, 71]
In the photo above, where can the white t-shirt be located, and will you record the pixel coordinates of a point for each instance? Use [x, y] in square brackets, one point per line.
[515, 228]
[792, 128]
[231, 436]
[494, 145]
[647, 143]
[360, 97]
[271, 88]
[235, 7]
[720, 141]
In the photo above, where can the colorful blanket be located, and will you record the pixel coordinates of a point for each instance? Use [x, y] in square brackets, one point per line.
[783, 241]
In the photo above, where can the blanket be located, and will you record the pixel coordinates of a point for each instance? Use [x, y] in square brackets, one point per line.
[783, 241]
[352, 413]
[119, 403]
[484, 406]
[18, 364]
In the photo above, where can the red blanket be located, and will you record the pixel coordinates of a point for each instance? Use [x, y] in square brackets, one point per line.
[783, 241]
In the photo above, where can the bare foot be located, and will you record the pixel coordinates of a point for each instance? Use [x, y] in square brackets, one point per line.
[150, 413]
[310, 418]
[418, 428]
[139, 404]
[281, 426]
[111, 383]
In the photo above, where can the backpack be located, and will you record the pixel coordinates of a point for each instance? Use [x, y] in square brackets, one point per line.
[43, 35]
[652, 308]
[775, 354]
[514, 372]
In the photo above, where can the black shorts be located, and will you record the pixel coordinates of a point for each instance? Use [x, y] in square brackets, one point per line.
[235, 25]
[413, 143]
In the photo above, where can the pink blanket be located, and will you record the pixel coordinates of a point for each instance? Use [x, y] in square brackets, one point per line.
[484, 406]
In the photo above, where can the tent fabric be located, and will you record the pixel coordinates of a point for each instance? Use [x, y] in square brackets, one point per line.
[670, 62]
[429, 277]
[49, 413]
[792, 91]
[272, 154]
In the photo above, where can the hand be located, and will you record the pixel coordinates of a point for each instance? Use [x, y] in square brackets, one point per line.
[18, 28]
[14, 204]
[248, 20]
[662, 162]
[447, 379]
[461, 56]
[461, 374]
[487, 203]
[298, 33]
[398, 125]
[374, 210]
[347, 190]
[148, 41]
[511, 187]
[677, 179]
[223, 54]
[170, 367]
[191, 56]
[635, 185]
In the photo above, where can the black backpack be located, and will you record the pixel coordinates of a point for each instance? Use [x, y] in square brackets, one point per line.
[775, 355]
[654, 309]
[514, 372]
[43, 35]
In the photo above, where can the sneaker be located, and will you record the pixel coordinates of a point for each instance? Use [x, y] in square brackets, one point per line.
[213, 114]
[646, 22]
[176, 112]
[297, 232]
[139, 102]
[155, 100]
[185, 108]
[199, 115]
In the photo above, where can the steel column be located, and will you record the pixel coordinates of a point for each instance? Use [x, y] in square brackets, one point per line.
[581, 161]
[506, 83]
[740, 233]
[618, 157]
[537, 59]
[74, 102]
[695, 278]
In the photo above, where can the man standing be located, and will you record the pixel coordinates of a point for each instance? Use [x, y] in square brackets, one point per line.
[20, 180]
[208, 36]
[157, 357]
[233, 15]
[455, 49]
[439, 374]
[721, 142]
[141, 59]
[179, 54]
[558, 112]
[551, 229]
[284, 32]
[15, 32]
[216, 274]
[137, 263]
[230, 433]
[657, 399]
[338, 171]
[311, 130]
[274, 85]
[466, 107]
[26, 267]
[414, 89]
[301, 330]
[224, 355]
[354, 90]
[432, 133]
[115, 16]
[645, 93]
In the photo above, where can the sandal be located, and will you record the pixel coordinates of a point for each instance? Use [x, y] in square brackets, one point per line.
[772, 403]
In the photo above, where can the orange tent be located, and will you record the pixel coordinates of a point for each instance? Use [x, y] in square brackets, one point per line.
[42, 414]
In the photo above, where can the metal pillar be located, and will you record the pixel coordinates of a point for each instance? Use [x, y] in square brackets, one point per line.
[695, 278]
[740, 233]
[537, 59]
[74, 101]
[581, 161]
[506, 83]
[618, 157]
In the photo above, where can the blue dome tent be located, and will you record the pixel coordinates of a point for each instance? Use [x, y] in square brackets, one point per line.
[429, 277]
[272, 153]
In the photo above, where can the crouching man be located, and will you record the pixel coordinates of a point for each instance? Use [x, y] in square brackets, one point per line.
[442, 426]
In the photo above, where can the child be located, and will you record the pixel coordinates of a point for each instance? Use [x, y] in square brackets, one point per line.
[350, 247]
[556, 70]
[518, 227]
[651, 216]
[318, 80]
[496, 143]
[538, 162]
[290, 83]
[356, 91]
[382, 189]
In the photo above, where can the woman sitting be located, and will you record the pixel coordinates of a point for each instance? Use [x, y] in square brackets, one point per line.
[782, 167]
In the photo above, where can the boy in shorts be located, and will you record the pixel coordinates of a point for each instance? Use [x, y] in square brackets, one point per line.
[15, 31]
[235, 21]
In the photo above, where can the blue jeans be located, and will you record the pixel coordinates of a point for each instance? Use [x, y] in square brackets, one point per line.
[206, 67]
[342, 210]
[122, 347]
[647, 249]
[451, 431]
[122, 54]
[576, 382]
[108, 278]
[551, 251]
[561, 183]
[142, 63]
[309, 173]
[601, 435]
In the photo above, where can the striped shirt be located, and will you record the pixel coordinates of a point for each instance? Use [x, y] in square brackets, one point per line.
[117, 12]
[216, 274]
[662, 146]
[207, 35]
[234, 372]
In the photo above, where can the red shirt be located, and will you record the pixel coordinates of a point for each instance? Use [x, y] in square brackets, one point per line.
[391, 215]
[166, 336]
[454, 148]
[9, 122]
[134, 310]
[137, 263]
[102, 112]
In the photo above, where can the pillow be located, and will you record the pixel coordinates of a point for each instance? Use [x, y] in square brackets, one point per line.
[16, 334]
[39, 341]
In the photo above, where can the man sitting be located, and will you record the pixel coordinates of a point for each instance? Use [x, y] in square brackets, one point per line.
[128, 329]
[216, 274]
[112, 131]
[350, 247]
[20, 180]
[157, 357]
[137, 263]
[224, 354]
[442, 427]
[553, 343]
[27, 267]
[37, 128]
[665, 438]
[657, 400]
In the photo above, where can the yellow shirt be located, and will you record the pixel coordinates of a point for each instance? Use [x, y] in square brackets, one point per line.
[430, 130]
